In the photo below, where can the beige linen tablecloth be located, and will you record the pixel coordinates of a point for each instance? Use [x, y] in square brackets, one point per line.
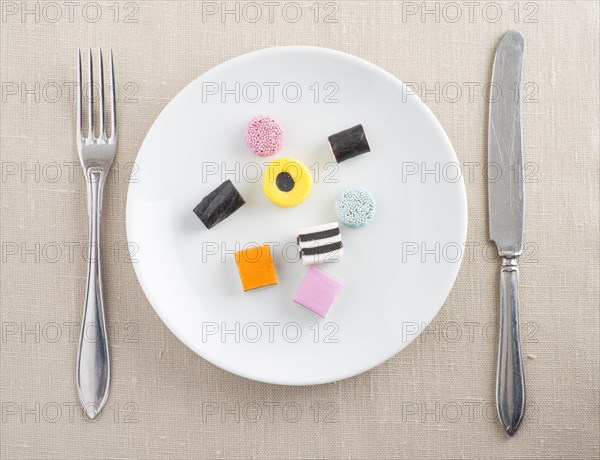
[436, 398]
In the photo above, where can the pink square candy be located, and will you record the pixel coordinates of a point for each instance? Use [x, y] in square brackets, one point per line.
[318, 291]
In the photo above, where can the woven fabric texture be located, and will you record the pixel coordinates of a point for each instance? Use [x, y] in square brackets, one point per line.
[433, 400]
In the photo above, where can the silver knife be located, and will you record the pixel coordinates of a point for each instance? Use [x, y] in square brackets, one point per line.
[505, 195]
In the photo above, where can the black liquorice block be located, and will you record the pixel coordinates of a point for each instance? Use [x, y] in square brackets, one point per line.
[219, 204]
[349, 143]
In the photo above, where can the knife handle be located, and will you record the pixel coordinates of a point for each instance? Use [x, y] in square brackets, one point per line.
[510, 381]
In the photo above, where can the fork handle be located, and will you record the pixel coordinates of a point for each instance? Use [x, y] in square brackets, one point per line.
[510, 381]
[93, 362]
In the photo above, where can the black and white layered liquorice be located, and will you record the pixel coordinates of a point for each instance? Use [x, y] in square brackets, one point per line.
[321, 243]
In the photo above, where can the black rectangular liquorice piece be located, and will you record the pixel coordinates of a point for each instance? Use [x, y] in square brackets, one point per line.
[219, 204]
[349, 143]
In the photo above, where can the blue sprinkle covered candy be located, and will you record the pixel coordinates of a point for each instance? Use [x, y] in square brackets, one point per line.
[355, 207]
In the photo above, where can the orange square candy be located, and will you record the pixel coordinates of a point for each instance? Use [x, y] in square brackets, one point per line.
[255, 267]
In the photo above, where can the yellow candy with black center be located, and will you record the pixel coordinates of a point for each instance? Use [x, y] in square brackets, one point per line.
[287, 182]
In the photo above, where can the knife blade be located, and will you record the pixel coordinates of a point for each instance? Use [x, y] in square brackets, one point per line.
[505, 158]
[505, 200]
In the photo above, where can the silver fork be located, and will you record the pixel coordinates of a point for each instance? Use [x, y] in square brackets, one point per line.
[96, 155]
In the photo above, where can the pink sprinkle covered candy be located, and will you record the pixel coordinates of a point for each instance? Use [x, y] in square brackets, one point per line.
[318, 291]
[264, 136]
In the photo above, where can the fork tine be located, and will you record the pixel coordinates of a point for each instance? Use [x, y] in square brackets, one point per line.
[91, 97]
[101, 133]
[78, 133]
[113, 106]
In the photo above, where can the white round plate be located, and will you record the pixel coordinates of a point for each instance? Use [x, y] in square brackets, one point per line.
[397, 271]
